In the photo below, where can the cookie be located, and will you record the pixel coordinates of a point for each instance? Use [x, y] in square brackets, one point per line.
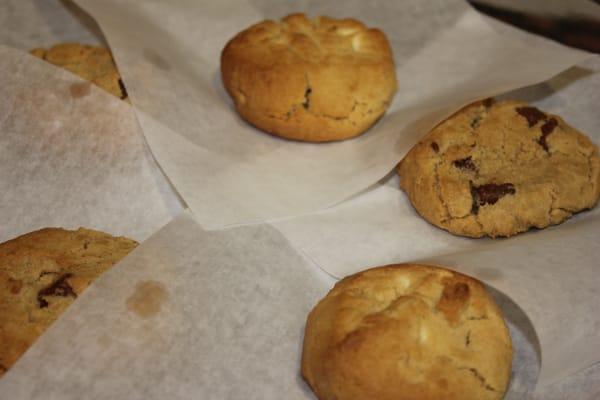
[41, 274]
[91, 63]
[411, 332]
[314, 80]
[498, 169]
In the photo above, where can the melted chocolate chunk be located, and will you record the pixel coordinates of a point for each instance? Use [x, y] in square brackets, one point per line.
[465, 163]
[487, 103]
[489, 194]
[435, 147]
[547, 129]
[307, 93]
[123, 90]
[532, 114]
[60, 287]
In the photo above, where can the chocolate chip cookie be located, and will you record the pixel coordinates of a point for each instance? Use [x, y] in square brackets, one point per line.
[313, 80]
[92, 63]
[500, 168]
[407, 332]
[41, 274]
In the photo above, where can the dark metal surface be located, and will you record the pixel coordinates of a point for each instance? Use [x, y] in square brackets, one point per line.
[577, 32]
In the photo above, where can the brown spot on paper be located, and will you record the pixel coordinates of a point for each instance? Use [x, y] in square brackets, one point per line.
[147, 299]
[80, 89]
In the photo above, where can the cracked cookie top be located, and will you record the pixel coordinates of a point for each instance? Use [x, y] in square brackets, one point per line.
[312, 80]
[92, 63]
[41, 274]
[500, 168]
[407, 332]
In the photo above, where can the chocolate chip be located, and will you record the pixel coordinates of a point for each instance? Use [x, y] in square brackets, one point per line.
[547, 129]
[41, 302]
[549, 126]
[307, 93]
[475, 121]
[60, 287]
[489, 194]
[487, 103]
[435, 147]
[532, 114]
[465, 163]
[123, 90]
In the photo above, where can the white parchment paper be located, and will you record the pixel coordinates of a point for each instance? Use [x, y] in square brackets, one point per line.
[69, 374]
[72, 155]
[224, 319]
[211, 315]
[228, 325]
[27, 24]
[73, 161]
[552, 274]
[228, 172]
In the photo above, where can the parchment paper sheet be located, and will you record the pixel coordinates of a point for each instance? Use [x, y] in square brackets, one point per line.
[229, 173]
[72, 155]
[552, 274]
[196, 314]
[51, 374]
[27, 24]
[228, 324]
[127, 166]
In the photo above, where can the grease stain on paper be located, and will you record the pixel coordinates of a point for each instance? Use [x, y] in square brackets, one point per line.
[147, 299]
[80, 89]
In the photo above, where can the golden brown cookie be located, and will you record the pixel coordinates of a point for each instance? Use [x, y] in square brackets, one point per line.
[91, 63]
[498, 169]
[41, 274]
[312, 80]
[410, 332]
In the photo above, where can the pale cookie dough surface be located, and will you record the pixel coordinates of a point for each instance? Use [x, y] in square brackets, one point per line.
[41, 274]
[410, 332]
[91, 63]
[312, 80]
[498, 169]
